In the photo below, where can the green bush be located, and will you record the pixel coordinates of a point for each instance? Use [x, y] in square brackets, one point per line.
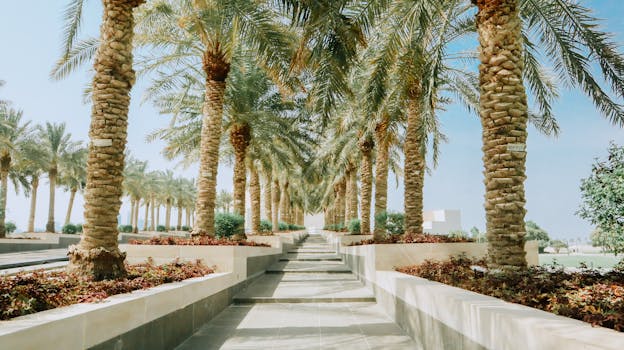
[161, 228]
[458, 234]
[125, 228]
[78, 228]
[229, 224]
[70, 229]
[335, 227]
[293, 227]
[266, 226]
[282, 226]
[396, 223]
[186, 228]
[10, 227]
[354, 226]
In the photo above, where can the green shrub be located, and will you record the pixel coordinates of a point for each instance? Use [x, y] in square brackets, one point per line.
[229, 224]
[381, 220]
[70, 229]
[354, 226]
[186, 228]
[79, 228]
[161, 228]
[396, 223]
[293, 227]
[10, 227]
[282, 226]
[125, 228]
[335, 227]
[266, 226]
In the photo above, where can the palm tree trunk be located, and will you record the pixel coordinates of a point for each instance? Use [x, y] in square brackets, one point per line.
[268, 201]
[146, 202]
[188, 217]
[137, 206]
[275, 192]
[34, 185]
[352, 195]
[504, 119]
[381, 180]
[240, 134]
[72, 196]
[254, 189]
[152, 226]
[168, 215]
[366, 145]
[4, 187]
[132, 205]
[341, 201]
[157, 216]
[414, 169]
[216, 69]
[52, 178]
[179, 226]
[285, 204]
[98, 255]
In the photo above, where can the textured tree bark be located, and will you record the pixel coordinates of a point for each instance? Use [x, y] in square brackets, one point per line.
[157, 216]
[503, 111]
[188, 217]
[285, 204]
[135, 226]
[98, 255]
[179, 225]
[414, 168]
[240, 135]
[34, 185]
[275, 197]
[268, 201]
[352, 195]
[146, 203]
[167, 214]
[341, 189]
[5, 163]
[72, 196]
[366, 145]
[52, 178]
[132, 205]
[254, 189]
[216, 69]
[381, 179]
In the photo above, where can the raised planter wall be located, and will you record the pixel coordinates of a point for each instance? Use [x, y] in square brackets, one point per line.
[158, 318]
[439, 316]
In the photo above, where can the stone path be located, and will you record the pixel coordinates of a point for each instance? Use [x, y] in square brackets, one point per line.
[37, 258]
[307, 300]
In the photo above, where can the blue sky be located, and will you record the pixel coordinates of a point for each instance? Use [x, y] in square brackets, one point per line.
[30, 46]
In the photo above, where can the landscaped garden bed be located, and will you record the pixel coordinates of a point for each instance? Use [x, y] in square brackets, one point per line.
[588, 295]
[200, 240]
[31, 292]
[421, 238]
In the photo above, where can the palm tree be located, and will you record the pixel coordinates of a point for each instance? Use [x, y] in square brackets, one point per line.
[57, 144]
[565, 30]
[211, 33]
[73, 175]
[13, 133]
[134, 186]
[97, 255]
[32, 165]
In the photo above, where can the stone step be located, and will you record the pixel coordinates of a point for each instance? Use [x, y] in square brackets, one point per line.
[261, 300]
[310, 259]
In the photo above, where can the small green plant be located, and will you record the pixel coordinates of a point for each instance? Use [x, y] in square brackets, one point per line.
[396, 223]
[266, 226]
[186, 228]
[125, 228]
[70, 229]
[227, 225]
[161, 228]
[282, 226]
[293, 227]
[10, 227]
[354, 226]
[78, 228]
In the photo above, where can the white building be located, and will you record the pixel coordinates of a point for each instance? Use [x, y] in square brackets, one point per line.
[441, 221]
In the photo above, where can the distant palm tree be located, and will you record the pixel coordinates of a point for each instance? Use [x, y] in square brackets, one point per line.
[57, 143]
[73, 175]
[32, 165]
[134, 186]
[13, 134]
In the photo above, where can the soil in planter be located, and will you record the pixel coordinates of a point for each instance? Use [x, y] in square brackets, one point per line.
[588, 295]
[422, 238]
[31, 292]
[199, 240]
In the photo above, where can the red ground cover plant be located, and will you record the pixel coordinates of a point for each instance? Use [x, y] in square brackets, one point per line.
[30, 292]
[200, 240]
[587, 295]
[422, 238]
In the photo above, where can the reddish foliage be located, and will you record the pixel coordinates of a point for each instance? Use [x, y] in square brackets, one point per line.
[421, 238]
[200, 240]
[27, 293]
[588, 295]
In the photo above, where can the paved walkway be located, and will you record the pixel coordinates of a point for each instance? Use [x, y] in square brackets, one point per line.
[32, 258]
[308, 300]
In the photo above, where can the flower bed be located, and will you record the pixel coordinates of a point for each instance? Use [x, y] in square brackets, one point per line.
[586, 295]
[200, 240]
[421, 238]
[31, 292]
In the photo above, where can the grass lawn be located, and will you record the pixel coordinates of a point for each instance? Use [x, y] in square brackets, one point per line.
[592, 260]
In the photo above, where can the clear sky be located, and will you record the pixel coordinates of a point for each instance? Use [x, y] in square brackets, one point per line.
[30, 33]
